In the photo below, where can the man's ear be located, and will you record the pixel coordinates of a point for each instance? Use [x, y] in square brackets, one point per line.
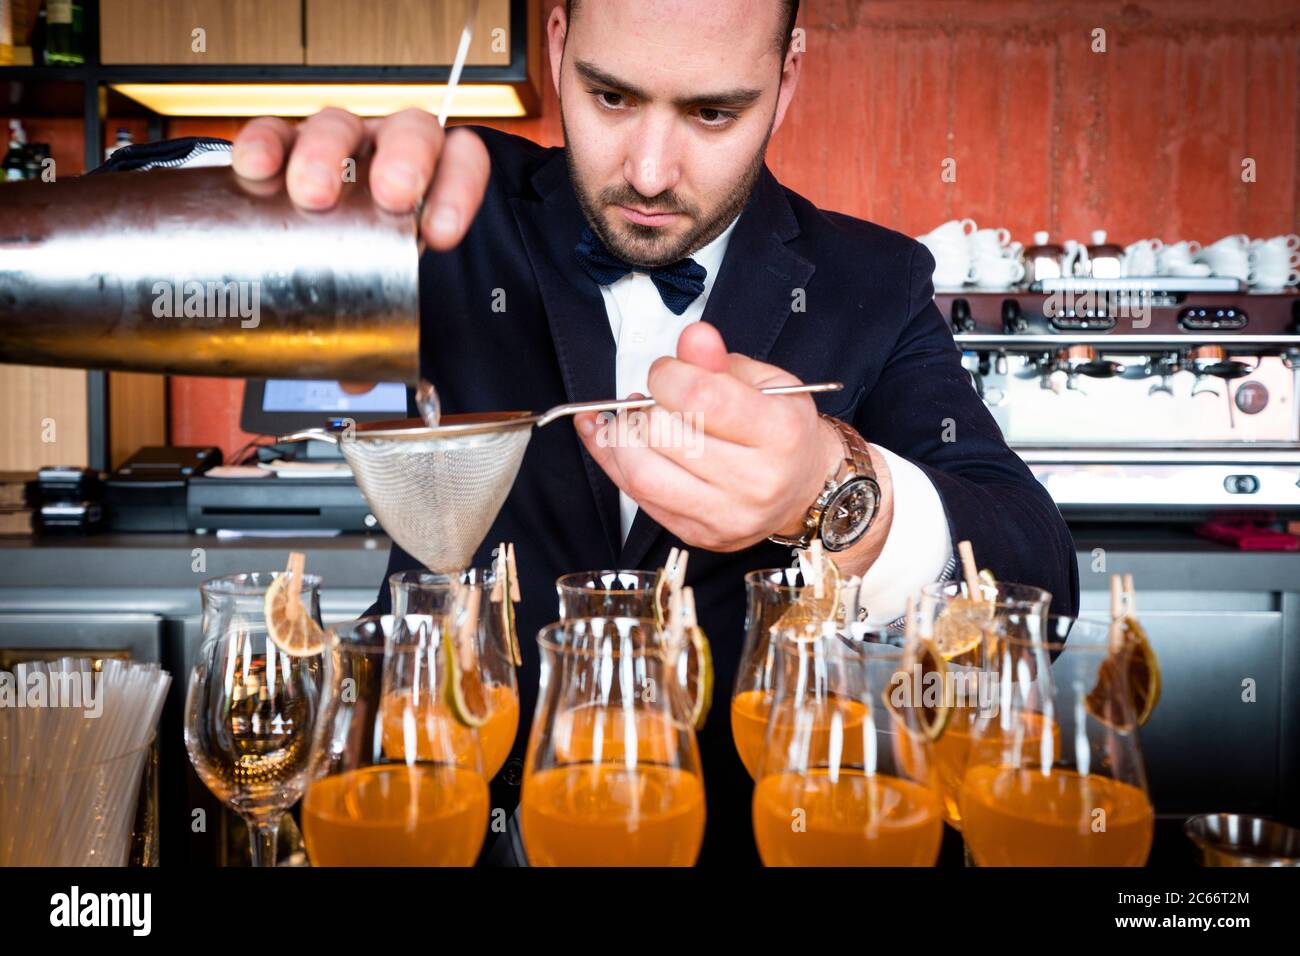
[789, 83]
[557, 28]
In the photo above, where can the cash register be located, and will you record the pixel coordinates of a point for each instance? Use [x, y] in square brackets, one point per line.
[303, 486]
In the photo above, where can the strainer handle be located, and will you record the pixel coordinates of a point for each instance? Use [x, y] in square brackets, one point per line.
[577, 408]
[310, 434]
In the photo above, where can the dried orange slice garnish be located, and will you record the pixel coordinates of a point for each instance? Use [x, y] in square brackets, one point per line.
[506, 591]
[465, 694]
[288, 624]
[699, 662]
[1132, 662]
[932, 719]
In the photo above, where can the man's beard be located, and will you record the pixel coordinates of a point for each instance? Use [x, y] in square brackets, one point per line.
[631, 246]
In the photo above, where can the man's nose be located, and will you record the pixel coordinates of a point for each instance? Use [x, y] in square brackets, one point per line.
[652, 165]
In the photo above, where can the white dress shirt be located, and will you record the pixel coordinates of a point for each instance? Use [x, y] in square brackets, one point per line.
[917, 550]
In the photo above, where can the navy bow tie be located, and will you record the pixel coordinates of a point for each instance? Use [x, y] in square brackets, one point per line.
[679, 283]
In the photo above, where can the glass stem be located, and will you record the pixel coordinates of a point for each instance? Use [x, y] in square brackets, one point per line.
[262, 839]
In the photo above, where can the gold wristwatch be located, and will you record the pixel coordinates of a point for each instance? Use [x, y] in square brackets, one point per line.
[848, 501]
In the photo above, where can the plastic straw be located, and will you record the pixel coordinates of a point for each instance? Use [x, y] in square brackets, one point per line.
[458, 64]
[69, 783]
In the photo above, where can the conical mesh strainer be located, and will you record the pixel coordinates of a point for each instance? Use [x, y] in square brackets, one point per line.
[436, 491]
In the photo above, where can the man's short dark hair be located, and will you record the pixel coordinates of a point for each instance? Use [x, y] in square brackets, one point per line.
[787, 30]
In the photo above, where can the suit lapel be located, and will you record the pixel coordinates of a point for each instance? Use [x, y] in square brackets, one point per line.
[551, 225]
[748, 303]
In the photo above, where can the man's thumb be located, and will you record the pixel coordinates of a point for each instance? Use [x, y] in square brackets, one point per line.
[701, 344]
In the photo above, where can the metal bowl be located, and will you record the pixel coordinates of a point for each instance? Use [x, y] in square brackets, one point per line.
[1232, 839]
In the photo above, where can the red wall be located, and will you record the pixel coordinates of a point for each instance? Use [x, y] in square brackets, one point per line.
[1146, 139]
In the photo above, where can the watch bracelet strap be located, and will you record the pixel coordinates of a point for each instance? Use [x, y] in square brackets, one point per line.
[856, 453]
[856, 461]
[810, 525]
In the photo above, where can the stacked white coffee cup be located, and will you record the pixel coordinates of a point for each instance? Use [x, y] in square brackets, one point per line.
[1179, 259]
[964, 253]
[1151, 257]
[1229, 257]
[950, 246]
[1275, 262]
[995, 259]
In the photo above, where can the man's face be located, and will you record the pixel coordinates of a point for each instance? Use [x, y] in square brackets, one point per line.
[667, 107]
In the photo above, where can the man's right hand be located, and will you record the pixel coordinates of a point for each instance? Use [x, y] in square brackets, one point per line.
[410, 159]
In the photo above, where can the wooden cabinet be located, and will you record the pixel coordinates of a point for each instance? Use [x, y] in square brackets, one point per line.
[235, 31]
[137, 414]
[314, 32]
[404, 32]
[45, 417]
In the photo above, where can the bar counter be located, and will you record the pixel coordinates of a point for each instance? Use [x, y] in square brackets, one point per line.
[1221, 621]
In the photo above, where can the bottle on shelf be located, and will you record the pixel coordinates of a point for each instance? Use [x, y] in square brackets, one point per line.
[38, 33]
[15, 166]
[37, 154]
[63, 33]
[123, 139]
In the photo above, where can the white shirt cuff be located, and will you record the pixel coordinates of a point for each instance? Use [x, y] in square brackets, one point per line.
[918, 548]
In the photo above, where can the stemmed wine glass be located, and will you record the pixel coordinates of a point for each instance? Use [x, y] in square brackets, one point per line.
[250, 707]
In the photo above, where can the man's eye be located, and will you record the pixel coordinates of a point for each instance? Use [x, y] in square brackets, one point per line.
[609, 100]
[712, 117]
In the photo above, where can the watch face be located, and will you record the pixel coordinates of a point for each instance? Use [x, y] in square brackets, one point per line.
[849, 513]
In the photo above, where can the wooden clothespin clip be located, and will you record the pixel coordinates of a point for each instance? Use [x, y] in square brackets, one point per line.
[970, 572]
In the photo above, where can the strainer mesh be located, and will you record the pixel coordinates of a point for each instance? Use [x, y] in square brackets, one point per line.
[437, 497]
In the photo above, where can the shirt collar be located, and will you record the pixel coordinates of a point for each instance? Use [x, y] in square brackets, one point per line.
[711, 255]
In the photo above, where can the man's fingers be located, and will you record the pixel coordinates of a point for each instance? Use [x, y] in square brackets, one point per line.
[691, 531]
[261, 146]
[684, 495]
[644, 474]
[458, 187]
[682, 439]
[758, 374]
[701, 344]
[413, 160]
[407, 145]
[722, 404]
[315, 172]
[588, 426]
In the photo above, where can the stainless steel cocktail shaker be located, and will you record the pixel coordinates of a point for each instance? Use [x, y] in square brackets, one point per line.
[196, 271]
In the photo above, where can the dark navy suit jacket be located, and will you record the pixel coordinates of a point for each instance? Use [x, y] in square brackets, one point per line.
[869, 321]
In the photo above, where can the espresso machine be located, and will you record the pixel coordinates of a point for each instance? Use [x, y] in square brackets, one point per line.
[1165, 399]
